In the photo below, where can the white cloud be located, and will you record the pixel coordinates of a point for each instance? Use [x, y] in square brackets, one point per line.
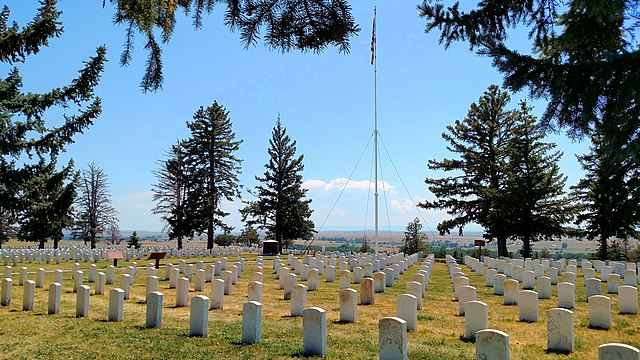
[339, 184]
[406, 205]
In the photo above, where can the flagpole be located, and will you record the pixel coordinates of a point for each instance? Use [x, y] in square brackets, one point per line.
[375, 129]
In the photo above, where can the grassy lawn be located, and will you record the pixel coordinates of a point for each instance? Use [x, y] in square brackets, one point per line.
[34, 334]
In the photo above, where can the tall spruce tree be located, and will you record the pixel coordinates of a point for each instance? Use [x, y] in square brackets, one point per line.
[212, 168]
[584, 62]
[289, 24]
[281, 207]
[94, 212]
[474, 192]
[172, 194]
[609, 195]
[26, 138]
[534, 195]
[47, 206]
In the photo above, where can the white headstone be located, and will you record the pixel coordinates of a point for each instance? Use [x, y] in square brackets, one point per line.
[628, 299]
[57, 276]
[227, 276]
[489, 277]
[569, 277]
[613, 282]
[392, 332]
[566, 295]
[600, 312]
[560, 330]
[199, 314]
[630, 277]
[511, 289]
[251, 322]
[217, 294]
[345, 279]
[290, 281]
[111, 270]
[27, 295]
[23, 276]
[594, 287]
[407, 310]
[379, 281]
[528, 280]
[476, 318]
[298, 299]
[77, 280]
[415, 288]
[100, 283]
[544, 287]
[528, 305]
[255, 291]
[199, 280]
[116, 304]
[615, 351]
[466, 293]
[348, 306]
[314, 332]
[492, 345]
[54, 298]
[82, 301]
[367, 291]
[154, 309]
[5, 294]
[125, 285]
[313, 280]
[498, 284]
[182, 292]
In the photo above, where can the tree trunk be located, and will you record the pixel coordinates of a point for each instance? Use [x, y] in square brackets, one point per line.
[41, 244]
[526, 248]
[604, 251]
[179, 242]
[502, 247]
[93, 240]
[210, 235]
[55, 243]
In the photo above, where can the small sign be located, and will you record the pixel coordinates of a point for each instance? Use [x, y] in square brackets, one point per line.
[115, 255]
[157, 256]
[479, 242]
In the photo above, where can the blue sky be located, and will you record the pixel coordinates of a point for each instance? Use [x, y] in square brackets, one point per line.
[325, 101]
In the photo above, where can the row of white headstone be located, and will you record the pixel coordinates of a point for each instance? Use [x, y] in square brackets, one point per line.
[560, 324]
[15, 256]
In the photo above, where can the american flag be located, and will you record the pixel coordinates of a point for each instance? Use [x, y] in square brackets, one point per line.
[373, 41]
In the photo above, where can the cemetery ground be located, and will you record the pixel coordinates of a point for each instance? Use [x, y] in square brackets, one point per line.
[34, 334]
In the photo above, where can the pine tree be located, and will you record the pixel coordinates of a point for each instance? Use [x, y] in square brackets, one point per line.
[95, 214]
[281, 207]
[414, 238]
[48, 199]
[212, 168]
[608, 195]
[172, 193]
[584, 63]
[134, 240]
[249, 236]
[289, 24]
[26, 138]
[474, 193]
[534, 193]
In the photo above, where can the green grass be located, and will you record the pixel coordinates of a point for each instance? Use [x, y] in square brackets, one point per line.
[36, 335]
